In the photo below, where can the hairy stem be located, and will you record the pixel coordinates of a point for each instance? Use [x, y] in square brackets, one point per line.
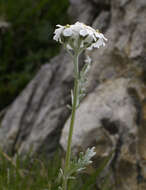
[75, 99]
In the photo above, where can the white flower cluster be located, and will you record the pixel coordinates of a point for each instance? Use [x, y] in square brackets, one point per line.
[79, 36]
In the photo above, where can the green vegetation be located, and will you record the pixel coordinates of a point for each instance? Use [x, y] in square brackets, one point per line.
[42, 174]
[29, 174]
[27, 43]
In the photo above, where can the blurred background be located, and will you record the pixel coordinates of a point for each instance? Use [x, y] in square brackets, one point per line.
[26, 31]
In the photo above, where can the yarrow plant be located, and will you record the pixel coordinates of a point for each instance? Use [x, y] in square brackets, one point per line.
[79, 37]
[76, 38]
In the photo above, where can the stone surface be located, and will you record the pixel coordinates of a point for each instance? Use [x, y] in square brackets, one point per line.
[113, 114]
[32, 119]
[102, 21]
[82, 10]
[109, 107]
[108, 119]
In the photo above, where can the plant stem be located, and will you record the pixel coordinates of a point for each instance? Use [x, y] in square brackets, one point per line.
[75, 99]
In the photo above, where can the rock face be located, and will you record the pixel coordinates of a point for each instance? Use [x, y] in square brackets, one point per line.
[110, 109]
[109, 118]
[36, 118]
[113, 114]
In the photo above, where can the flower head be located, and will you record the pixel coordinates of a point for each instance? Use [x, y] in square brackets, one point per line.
[79, 36]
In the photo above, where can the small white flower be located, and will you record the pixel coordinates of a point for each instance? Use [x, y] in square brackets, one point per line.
[101, 36]
[83, 33]
[99, 43]
[77, 27]
[79, 37]
[58, 32]
[67, 32]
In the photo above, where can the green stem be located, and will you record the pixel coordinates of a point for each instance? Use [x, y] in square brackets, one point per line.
[68, 153]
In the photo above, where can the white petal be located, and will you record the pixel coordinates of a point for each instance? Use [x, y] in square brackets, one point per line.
[83, 33]
[91, 33]
[57, 34]
[100, 35]
[67, 32]
[90, 28]
[105, 38]
[99, 43]
[55, 38]
[77, 27]
[60, 26]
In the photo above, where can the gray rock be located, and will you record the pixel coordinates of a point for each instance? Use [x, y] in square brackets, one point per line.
[102, 21]
[121, 128]
[82, 10]
[108, 107]
[106, 2]
[31, 121]
[108, 119]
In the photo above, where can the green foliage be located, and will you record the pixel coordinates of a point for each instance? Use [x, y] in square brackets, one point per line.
[77, 165]
[38, 174]
[27, 43]
[42, 174]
